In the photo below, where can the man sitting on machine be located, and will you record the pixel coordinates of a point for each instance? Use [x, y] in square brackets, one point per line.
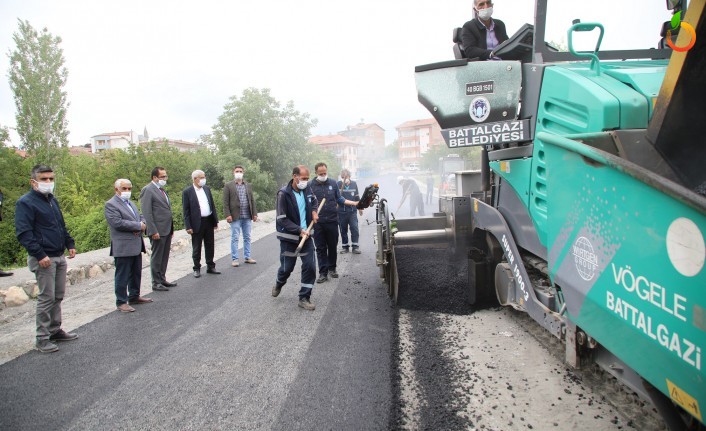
[481, 35]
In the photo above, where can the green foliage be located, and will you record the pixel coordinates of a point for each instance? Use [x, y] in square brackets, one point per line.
[4, 136]
[266, 133]
[37, 78]
[14, 182]
[89, 230]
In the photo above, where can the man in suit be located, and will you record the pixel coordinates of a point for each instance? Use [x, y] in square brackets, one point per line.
[240, 211]
[157, 210]
[481, 35]
[3, 273]
[200, 220]
[126, 245]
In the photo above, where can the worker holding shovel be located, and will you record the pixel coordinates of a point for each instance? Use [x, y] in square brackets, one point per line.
[297, 211]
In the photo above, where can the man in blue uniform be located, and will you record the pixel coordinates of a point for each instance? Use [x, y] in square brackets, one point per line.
[296, 209]
[347, 217]
[326, 229]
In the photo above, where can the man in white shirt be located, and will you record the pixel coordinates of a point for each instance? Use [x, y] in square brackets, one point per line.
[200, 221]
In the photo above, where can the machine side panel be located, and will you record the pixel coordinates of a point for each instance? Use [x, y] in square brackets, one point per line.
[571, 103]
[629, 259]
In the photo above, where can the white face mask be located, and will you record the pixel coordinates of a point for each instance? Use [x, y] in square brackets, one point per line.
[238, 176]
[45, 188]
[301, 185]
[202, 182]
[322, 178]
[485, 14]
[126, 195]
[162, 183]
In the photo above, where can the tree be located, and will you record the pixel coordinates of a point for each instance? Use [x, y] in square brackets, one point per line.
[4, 136]
[37, 78]
[264, 132]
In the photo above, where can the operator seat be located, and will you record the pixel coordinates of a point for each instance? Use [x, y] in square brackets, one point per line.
[458, 48]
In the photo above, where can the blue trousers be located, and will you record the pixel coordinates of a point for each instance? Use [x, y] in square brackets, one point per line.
[348, 219]
[238, 225]
[286, 266]
[128, 277]
[326, 239]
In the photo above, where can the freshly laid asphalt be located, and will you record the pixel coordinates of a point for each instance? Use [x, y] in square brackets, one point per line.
[219, 352]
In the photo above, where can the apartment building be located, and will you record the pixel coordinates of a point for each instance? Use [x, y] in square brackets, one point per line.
[415, 138]
[344, 150]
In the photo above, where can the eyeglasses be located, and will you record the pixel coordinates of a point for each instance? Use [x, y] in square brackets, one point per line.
[163, 177]
[484, 4]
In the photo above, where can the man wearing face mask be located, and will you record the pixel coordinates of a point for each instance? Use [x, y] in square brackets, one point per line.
[347, 217]
[240, 211]
[326, 229]
[40, 228]
[296, 210]
[200, 221]
[126, 246]
[481, 35]
[157, 209]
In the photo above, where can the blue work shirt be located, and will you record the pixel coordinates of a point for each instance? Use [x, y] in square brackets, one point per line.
[301, 203]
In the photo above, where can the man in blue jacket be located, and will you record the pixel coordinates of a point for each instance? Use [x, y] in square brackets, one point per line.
[40, 228]
[326, 229]
[347, 217]
[296, 209]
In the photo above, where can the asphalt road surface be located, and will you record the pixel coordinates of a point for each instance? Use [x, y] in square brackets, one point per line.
[219, 352]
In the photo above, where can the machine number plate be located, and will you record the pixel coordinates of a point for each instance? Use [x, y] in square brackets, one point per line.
[484, 87]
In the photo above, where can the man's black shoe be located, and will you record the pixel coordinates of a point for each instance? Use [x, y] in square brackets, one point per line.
[5, 274]
[160, 287]
[356, 250]
[277, 289]
[212, 271]
[322, 278]
[333, 274]
[62, 335]
[197, 273]
[344, 251]
[168, 284]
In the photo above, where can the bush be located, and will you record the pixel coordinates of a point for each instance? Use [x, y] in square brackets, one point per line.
[90, 231]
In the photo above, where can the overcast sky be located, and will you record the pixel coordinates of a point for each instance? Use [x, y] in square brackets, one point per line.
[172, 65]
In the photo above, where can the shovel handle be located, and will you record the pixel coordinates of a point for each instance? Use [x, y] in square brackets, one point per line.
[301, 243]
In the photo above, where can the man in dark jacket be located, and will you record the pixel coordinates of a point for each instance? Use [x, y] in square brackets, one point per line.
[347, 217]
[481, 35]
[200, 220]
[296, 209]
[3, 273]
[326, 229]
[40, 228]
